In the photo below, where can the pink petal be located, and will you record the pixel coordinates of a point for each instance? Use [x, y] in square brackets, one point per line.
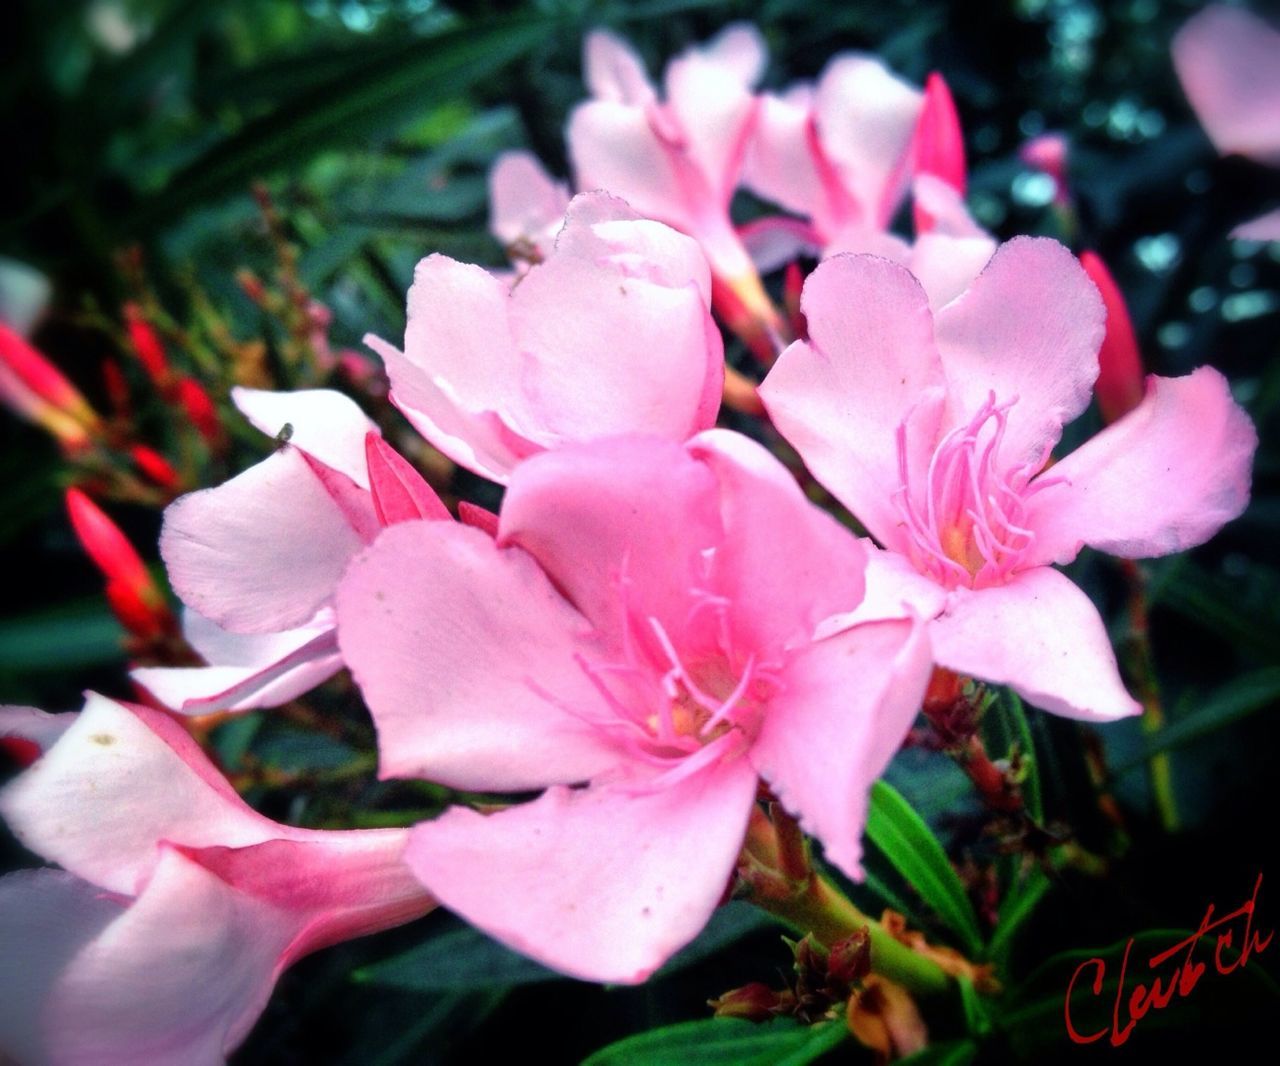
[609, 351]
[90, 803]
[716, 111]
[459, 648]
[33, 726]
[246, 670]
[774, 242]
[845, 707]
[946, 265]
[326, 425]
[262, 552]
[472, 440]
[599, 883]
[613, 71]
[840, 398]
[1164, 478]
[1226, 60]
[1264, 228]
[782, 585]
[938, 145]
[400, 493]
[866, 118]
[738, 49]
[780, 164]
[525, 203]
[478, 518]
[1029, 327]
[613, 147]
[1040, 635]
[895, 589]
[46, 918]
[625, 521]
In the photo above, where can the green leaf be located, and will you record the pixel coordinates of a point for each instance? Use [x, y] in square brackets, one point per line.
[730, 1041]
[948, 1053]
[72, 638]
[1012, 716]
[916, 854]
[729, 924]
[393, 83]
[1017, 907]
[1239, 697]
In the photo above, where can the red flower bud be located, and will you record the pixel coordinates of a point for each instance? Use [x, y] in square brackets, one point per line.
[36, 390]
[200, 408]
[939, 143]
[156, 467]
[147, 345]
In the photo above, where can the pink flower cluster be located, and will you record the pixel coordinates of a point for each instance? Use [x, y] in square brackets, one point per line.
[659, 619]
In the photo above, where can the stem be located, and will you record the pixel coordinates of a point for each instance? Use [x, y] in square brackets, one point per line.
[826, 912]
[1159, 768]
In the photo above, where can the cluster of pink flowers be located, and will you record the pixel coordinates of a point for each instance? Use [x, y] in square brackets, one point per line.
[659, 618]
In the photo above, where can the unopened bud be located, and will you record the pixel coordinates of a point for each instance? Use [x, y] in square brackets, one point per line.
[850, 959]
[147, 345]
[755, 1002]
[156, 467]
[36, 390]
[200, 408]
[939, 144]
[1120, 386]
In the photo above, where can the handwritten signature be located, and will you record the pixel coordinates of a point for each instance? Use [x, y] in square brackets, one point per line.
[1178, 983]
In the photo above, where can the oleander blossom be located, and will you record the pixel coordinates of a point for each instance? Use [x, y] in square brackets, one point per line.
[257, 558]
[612, 333]
[177, 906]
[935, 429]
[629, 629]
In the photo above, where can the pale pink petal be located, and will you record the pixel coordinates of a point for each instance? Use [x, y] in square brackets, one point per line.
[1162, 479]
[613, 71]
[607, 352]
[1264, 228]
[626, 521]
[1041, 636]
[263, 551]
[840, 398]
[1226, 60]
[471, 440]
[614, 148]
[465, 655]
[738, 49]
[845, 706]
[325, 424]
[46, 918]
[90, 803]
[946, 206]
[525, 203]
[1028, 328]
[400, 493]
[780, 164]
[716, 112]
[783, 583]
[245, 670]
[774, 242]
[36, 727]
[604, 230]
[946, 265]
[866, 118]
[599, 883]
[894, 589]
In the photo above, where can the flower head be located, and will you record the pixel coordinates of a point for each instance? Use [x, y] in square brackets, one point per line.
[629, 630]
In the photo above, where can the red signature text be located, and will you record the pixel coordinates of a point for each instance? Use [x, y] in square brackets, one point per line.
[1131, 1005]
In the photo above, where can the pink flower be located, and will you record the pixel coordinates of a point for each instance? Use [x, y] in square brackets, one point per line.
[611, 334]
[935, 427]
[633, 628]
[179, 906]
[675, 160]
[1226, 59]
[526, 206]
[256, 559]
[843, 154]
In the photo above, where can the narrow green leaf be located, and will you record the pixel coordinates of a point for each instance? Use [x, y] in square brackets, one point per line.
[72, 638]
[1017, 907]
[1011, 706]
[459, 959]
[727, 1041]
[916, 854]
[1239, 697]
[393, 84]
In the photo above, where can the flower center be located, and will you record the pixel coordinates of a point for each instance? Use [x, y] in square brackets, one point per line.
[966, 523]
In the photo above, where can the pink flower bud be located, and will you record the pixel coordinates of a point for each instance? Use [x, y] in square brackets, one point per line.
[939, 143]
[156, 467]
[147, 345]
[200, 408]
[1119, 387]
[36, 390]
